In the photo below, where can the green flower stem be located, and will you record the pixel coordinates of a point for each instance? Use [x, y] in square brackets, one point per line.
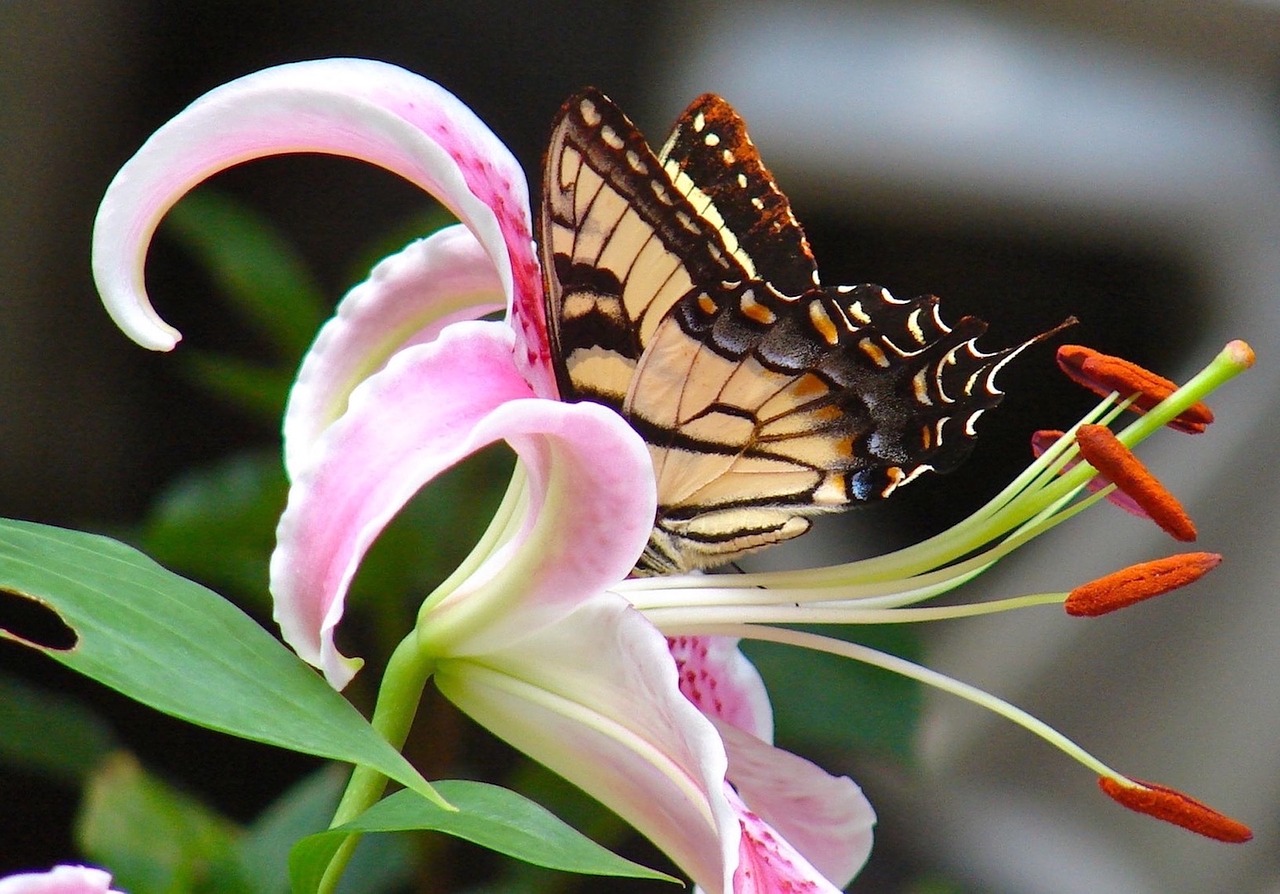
[408, 671]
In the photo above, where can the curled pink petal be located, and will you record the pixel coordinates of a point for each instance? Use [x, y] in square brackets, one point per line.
[825, 818]
[718, 678]
[594, 697]
[590, 480]
[358, 108]
[59, 880]
[407, 299]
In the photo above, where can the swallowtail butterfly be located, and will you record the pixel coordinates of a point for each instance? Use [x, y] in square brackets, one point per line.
[682, 293]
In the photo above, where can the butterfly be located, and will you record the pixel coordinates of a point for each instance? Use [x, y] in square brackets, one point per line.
[681, 292]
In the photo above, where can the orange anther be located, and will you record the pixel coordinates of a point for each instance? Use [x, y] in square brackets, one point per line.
[1103, 450]
[1173, 806]
[1044, 439]
[1103, 374]
[1138, 582]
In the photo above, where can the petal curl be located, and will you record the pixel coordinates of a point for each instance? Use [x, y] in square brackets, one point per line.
[590, 480]
[825, 818]
[357, 108]
[407, 299]
[59, 880]
[594, 697]
[718, 678]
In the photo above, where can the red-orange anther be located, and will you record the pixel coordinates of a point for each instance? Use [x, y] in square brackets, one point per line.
[1102, 374]
[1044, 439]
[1103, 450]
[1173, 806]
[1138, 582]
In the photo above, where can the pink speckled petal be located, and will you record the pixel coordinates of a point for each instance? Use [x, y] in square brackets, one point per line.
[407, 299]
[358, 108]
[768, 864]
[718, 678]
[825, 818]
[590, 481]
[59, 880]
[594, 697]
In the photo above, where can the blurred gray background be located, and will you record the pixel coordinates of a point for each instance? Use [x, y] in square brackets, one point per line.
[1025, 160]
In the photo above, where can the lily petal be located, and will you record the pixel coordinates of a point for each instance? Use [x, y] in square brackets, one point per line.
[431, 406]
[718, 678]
[825, 818]
[595, 698]
[407, 299]
[59, 880]
[357, 108]
[768, 863]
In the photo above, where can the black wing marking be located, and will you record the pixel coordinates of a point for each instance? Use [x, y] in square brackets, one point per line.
[713, 161]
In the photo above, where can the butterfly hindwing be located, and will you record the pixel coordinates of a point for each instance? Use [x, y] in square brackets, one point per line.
[681, 292]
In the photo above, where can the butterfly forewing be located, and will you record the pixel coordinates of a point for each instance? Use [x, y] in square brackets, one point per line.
[714, 163]
[682, 293]
[620, 246]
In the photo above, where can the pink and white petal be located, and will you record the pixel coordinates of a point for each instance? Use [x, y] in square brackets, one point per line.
[768, 863]
[825, 818]
[59, 880]
[357, 108]
[718, 678]
[594, 697]
[407, 299]
[590, 485]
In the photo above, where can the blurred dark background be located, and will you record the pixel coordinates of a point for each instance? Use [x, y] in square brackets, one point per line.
[1026, 161]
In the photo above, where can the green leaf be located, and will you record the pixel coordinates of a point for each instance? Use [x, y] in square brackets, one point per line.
[381, 863]
[257, 389]
[169, 643]
[234, 503]
[487, 815]
[49, 733]
[254, 266]
[831, 703]
[156, 839]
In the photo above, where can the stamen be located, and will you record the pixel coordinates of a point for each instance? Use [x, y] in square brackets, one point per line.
[1043, 439]
[1103, 374]
[1138, 582]
[1102, 450]
[1173, 806]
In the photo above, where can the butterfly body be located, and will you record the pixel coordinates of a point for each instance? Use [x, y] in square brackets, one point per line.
[682, 293]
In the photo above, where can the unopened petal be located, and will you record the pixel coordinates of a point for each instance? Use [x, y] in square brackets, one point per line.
[407, 299]
[825, 818]
[594, 697]
[357, 108]
[59, 880]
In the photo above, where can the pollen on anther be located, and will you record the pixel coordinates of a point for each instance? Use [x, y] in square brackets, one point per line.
[1103, 374]
[1138, 582]
[1104, 451]
[1172, 806]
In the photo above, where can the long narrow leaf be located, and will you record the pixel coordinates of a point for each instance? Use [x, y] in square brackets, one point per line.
[172, 644]
[488, 815]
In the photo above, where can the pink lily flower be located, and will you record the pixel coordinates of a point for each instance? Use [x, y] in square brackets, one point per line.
[531, 636]
[59, 880]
